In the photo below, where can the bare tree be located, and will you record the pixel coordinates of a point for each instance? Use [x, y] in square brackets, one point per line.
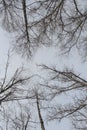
[15, 93]
[34, 22]
[12, 88]
[19, 120]
[68, 83]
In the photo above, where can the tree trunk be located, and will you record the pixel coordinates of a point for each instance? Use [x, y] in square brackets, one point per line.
[39, 114]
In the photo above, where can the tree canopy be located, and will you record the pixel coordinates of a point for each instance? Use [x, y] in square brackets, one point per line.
[34, 23]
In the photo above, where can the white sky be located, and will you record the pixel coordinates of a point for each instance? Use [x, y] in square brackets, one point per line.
[49, 56]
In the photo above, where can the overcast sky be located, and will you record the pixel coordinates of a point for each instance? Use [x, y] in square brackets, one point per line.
[49, 56]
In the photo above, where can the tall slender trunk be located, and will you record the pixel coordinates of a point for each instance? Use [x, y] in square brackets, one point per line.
[26, 25]
[39, 114]
[25, 19]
